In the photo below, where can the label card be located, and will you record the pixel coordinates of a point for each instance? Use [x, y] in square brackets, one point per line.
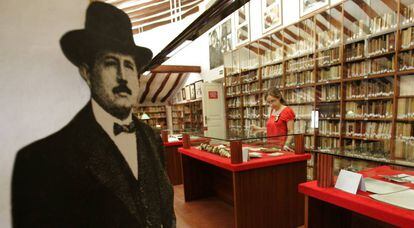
[350, 182]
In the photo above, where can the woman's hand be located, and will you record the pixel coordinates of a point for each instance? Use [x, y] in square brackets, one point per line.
[255, 128]
[287, 148]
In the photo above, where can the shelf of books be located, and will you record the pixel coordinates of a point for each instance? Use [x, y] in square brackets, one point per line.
[353, 63]
[157, 116]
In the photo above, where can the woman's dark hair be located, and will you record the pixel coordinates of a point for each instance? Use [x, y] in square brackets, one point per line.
[274, 92]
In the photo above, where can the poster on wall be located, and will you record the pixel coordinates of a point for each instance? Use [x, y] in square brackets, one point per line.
[199, 92]
[271, 14]
[242, 25]
[308, 6]
[220, 41]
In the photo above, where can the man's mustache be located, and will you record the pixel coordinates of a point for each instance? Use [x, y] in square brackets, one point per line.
[122, 88]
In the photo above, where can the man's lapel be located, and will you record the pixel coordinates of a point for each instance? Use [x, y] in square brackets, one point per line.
[105, 161]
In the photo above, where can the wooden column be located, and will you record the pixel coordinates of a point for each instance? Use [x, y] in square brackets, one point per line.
[186, 141]
[236, 152]
[299, 144]
[325, 170]
[164, 135]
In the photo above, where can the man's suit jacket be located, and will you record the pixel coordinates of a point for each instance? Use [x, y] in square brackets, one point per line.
[77, 177]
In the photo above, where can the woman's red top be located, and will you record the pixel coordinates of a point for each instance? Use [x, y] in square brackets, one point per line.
[278, 126]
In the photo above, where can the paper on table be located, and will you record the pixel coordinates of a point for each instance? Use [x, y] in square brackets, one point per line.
[382, 187]
[404, 199]
[349, 181]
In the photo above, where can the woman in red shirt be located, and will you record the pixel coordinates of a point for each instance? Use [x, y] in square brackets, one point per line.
[280, 122]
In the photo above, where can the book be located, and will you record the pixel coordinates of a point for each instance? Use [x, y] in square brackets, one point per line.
[407, 12]
[302, 111]
[329, 128]
[405, 109]
[272, 71]
[326, 144]
[300, 64]
[300, 78]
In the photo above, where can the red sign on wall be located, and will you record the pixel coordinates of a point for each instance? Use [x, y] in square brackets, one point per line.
[212, 95]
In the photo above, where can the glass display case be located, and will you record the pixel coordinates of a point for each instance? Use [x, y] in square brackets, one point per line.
[243, 149]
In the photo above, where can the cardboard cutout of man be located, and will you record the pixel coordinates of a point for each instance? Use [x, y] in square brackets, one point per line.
[105, 168]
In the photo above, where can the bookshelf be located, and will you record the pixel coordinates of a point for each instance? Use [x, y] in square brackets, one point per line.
[157, 114]
[187, 116]
[352, 62]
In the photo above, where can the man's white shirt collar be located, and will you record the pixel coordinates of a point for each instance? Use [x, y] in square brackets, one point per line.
[106, 120]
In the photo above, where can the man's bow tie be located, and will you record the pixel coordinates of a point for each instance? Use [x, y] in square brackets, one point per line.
[130, 128]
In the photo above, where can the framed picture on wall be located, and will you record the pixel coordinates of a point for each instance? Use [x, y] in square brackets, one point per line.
[271, 15]
[220, 41]
[187, 92]
[308, 6]
[242, 25]
[183, 93]
[198, 89]
[192, 92]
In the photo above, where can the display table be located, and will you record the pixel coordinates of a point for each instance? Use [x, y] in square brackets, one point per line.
[328, 207]
[263, 191]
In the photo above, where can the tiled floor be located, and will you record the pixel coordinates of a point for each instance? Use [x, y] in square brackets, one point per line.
[204, 213]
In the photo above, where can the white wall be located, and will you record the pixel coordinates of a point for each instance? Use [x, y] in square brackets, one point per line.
[40, 91]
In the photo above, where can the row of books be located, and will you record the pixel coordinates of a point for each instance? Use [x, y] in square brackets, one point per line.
[406, 61]
[234, 102]
[234, 113]
[274, 82]
[329, 74]
[383, 22]
[354, 51]
[370, 67]
[304, 63]
[370, 88]
[326, 144]
[301, 78]
[152, 109]
[301, 47]
[374, 109]
[272, 56]
[250, 88]
[177, 114]
[249, 77]
[272, 71]
[232, 80]
[302, 127]
[328, 57]
[328, 38]
[300, 95]
[367, 149]
[407, 13]
[368, 130]
[405, 108]
[302, 111]
[251, 113]
[329, 128]
[404, 144]
[309, 145]
[381, 44]
[407, 38]
[330, 93]
[233, 90]
[251, 100]
[329, 111]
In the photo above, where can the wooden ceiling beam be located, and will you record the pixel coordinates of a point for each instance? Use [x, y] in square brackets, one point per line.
[147, 88]
[160, 88]
[366, 8]
[177, 81]
[190, 12]
[133, 8]
[393, 5]
[176, 69]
